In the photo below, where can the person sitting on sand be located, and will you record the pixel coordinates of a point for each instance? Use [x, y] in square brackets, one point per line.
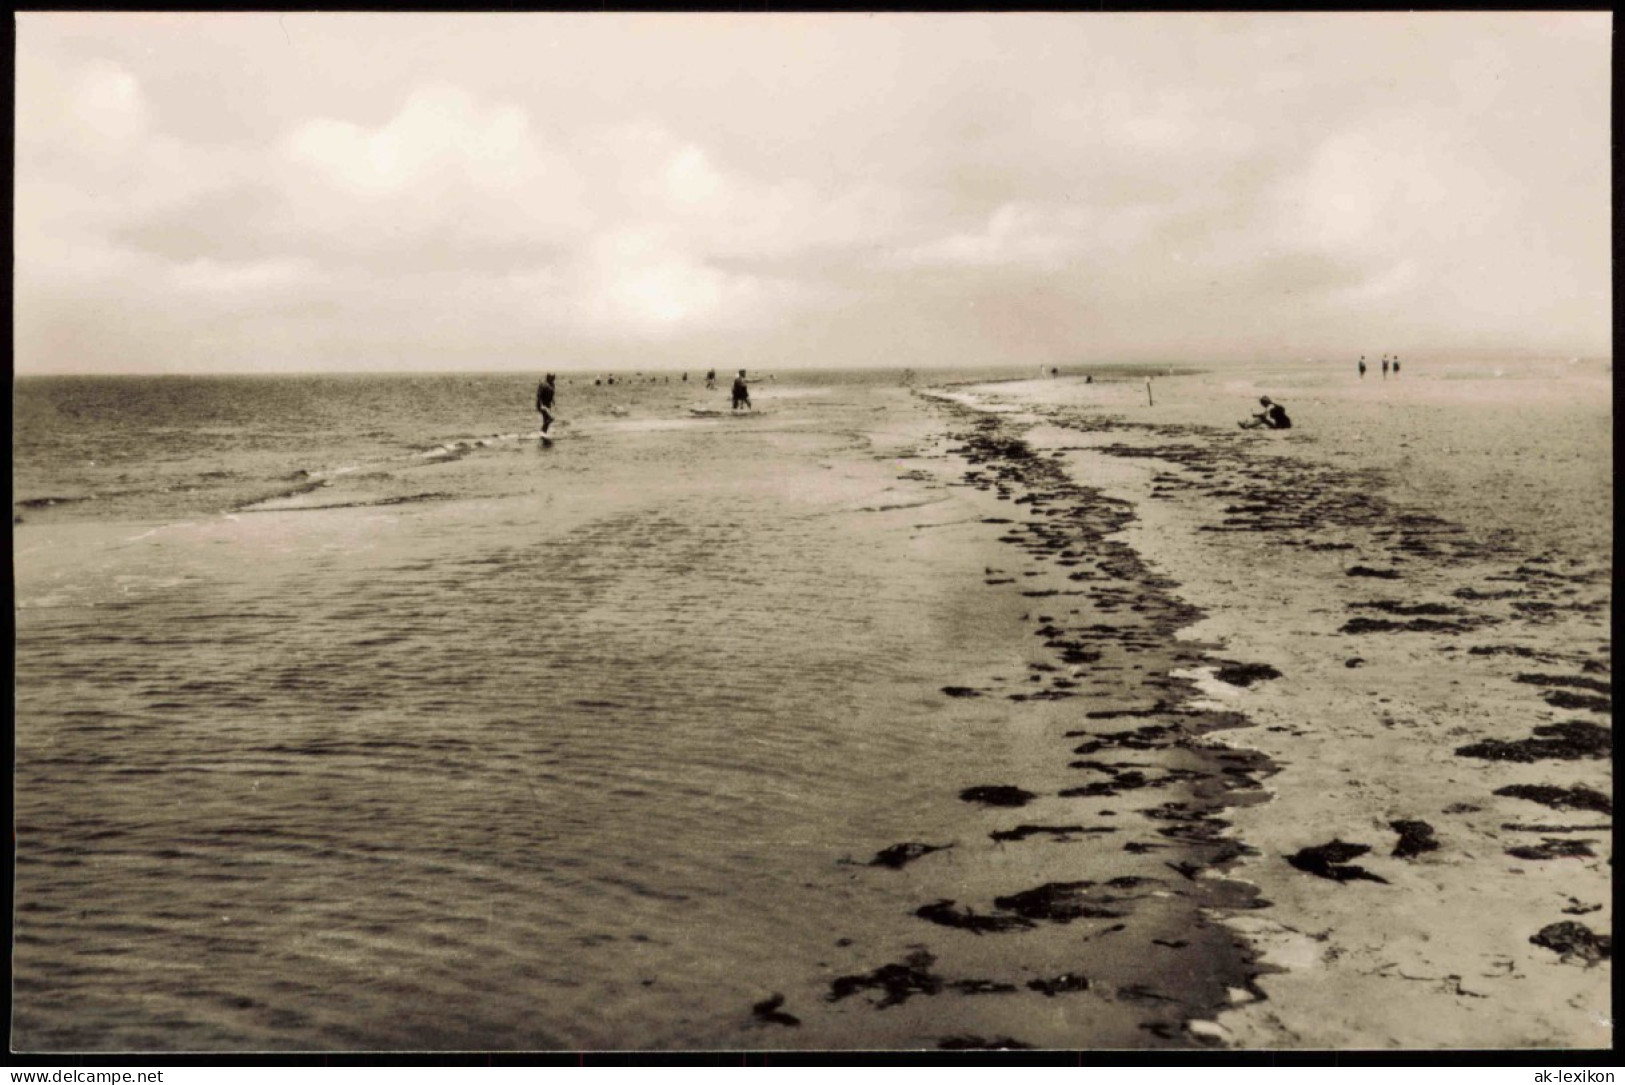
[741, 393]
[1273, 416]
[544, 401]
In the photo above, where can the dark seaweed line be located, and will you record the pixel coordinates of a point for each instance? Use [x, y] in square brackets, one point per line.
[1076, 532]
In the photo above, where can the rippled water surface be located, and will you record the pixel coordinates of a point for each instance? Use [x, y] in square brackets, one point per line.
[352, 719]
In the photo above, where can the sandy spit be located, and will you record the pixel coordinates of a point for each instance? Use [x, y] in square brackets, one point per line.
[1416, 584]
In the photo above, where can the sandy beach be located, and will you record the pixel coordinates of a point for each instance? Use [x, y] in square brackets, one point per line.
[1416, 583]
[943, 715]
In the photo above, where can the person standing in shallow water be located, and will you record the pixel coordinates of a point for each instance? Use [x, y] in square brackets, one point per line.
[1396, 365]
[741, 393]
[1385, 367]
[1362, 367]
[544, 401]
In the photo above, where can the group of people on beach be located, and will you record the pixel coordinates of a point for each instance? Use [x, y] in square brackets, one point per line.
[1386, 365]
[547, 390]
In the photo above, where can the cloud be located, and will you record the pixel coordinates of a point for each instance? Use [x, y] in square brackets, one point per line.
[897, 187]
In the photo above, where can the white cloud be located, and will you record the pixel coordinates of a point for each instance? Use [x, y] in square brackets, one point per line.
[1015, 234]
[663, 179]
[440, 130]
[107, 103]
[217, 278]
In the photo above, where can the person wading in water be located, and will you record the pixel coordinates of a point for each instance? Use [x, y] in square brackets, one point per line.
[544, 402]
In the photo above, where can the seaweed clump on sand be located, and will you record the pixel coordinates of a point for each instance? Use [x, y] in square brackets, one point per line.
[899, 855]
[943, 913]
[1569, 939]
[1415, 838]
[900, 981]
[1560, 798]
[1569, 741]
[767, 1011]
[1066, 981]
[1415, 625]
[1332, 861]
[1579, 702]
[978, 1043]
[1245, 674]
[1060, 902]
[997, 795]
[1553, 848]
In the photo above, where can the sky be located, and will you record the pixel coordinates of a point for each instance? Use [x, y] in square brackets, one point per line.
[254, 192]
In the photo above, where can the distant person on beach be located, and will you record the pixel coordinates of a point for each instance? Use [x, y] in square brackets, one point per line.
[1273, 416]
[1089, 378]
[1385, 367]
[1396, 365]
[544, 401]
[1362, 367]
[741, 392]
[710, 378]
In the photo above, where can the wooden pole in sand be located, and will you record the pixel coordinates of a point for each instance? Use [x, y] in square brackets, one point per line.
[1148, 401]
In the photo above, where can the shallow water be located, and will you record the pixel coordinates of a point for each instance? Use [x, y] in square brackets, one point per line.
[563, 748]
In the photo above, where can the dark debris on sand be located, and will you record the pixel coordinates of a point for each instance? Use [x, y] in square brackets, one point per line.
[768, 1013]
[1554, 848]
[1414, 625]
[1066, 981]
[1365, 570]
[1332, 861]
[1063, 902]
[1060, 832]
[899, 855]
[943, 913]
[898, 981]
[1415, 838]
[1245, 674]
[1596, 685]
[1560, 798]
[1569, 940]
[1569, 741]
[979, 1043]
[997, 795]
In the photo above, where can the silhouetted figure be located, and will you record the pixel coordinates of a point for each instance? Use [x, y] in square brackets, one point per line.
[1385, 367]
[544, 402]
[1362, 367]
[741, 394]
[1396, 365]
[710, 378]
[1273, 416]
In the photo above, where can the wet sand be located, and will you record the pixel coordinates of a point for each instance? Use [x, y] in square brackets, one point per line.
[1407, 599]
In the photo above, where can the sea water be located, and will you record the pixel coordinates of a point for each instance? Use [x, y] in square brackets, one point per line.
[349, 716]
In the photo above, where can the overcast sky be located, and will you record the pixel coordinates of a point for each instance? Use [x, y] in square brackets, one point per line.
[247, 192]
